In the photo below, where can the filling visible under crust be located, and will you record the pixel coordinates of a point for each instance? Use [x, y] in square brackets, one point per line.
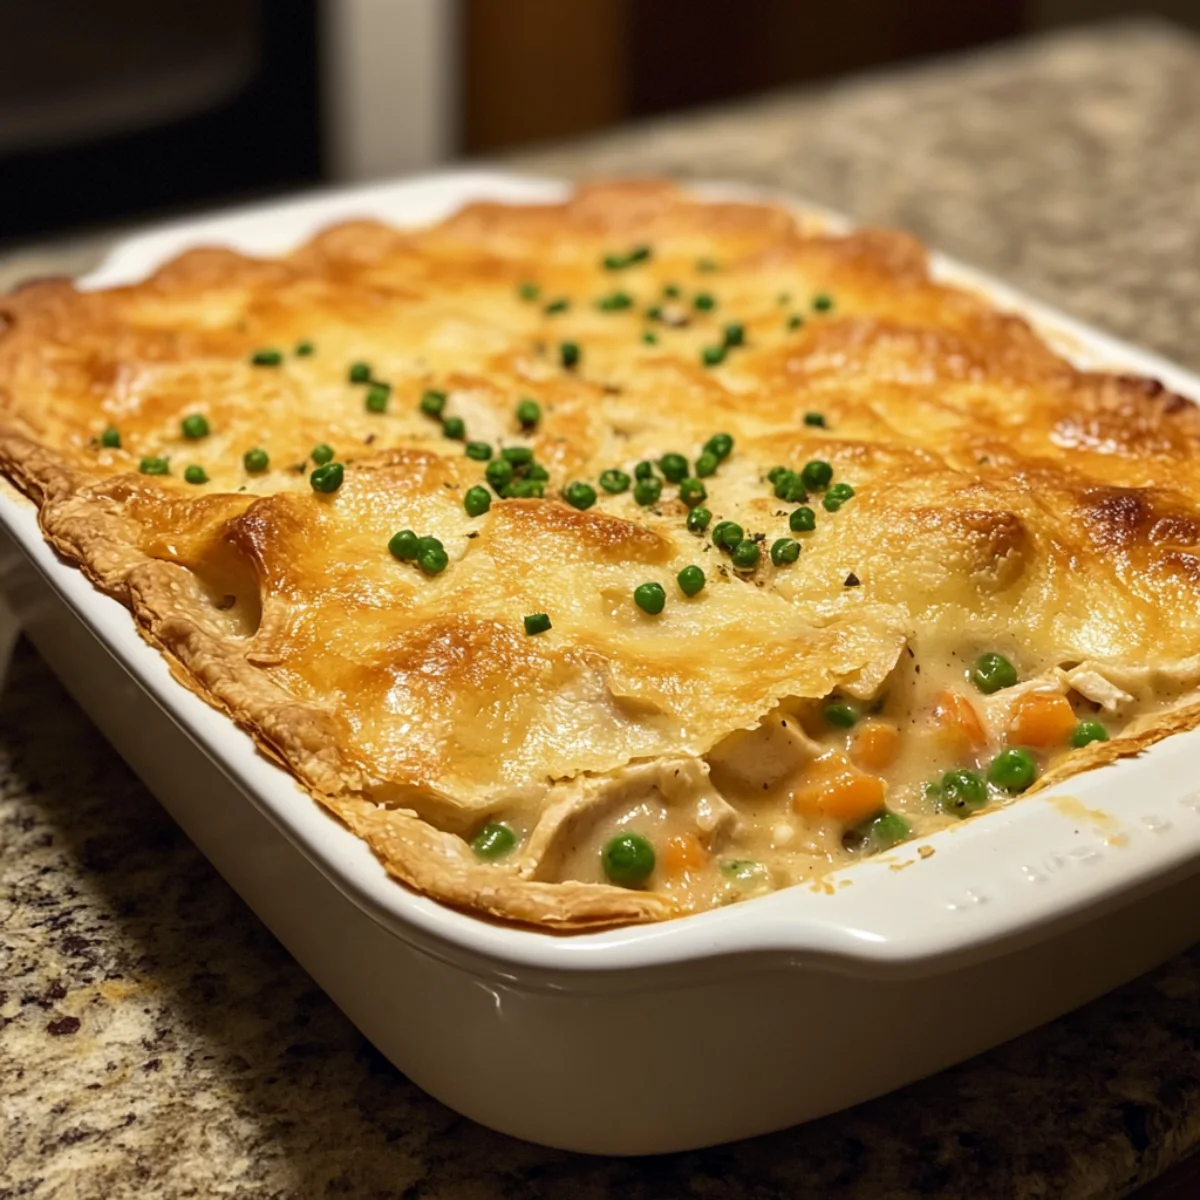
[819, 784]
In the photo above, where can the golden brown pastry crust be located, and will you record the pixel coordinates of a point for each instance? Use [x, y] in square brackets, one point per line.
[1002, 494]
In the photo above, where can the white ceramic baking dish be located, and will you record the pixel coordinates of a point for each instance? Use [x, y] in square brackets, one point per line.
[695, 1031]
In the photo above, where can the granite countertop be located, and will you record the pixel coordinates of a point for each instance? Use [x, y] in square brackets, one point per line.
[155, 1039]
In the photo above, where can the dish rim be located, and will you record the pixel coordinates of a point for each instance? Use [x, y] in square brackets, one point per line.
[1101, 837]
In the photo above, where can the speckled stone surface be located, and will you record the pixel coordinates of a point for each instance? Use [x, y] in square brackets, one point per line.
[156, 1041]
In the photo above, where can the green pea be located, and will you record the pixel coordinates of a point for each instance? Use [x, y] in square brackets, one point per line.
[878, 833]
[321, 454]
[477, 501]
[647, 491]
[528, 291]
[815, 418]
[376, 400]
[519, 456]
[557, 306]
[690, 580]
[727, 534]
[493, 841]
[794, 491]
[499, 473]
[707, 464]
[745, 555]
[704, 301]
[644, 470]
[569, 354]
[802, 520]
[537, 472]
[432, 402]
[795, 321]
[698, 519]
[692, 492]
[195, 474]
[674, 467]
[614, 302]
[195, 426]
[256, 461]
[649, 337]
[579, 495]
[304, 349]
[822, 302]
[111, 437]
[479, 451]
[327, 478]
[816, 475]
[837, 495]
[784, 551]
[454, 428]
[154, 466]
[1087, 732]
[529, 413]
[992, 672]
[712, 356]
[405, 545]
[775, 474]
[266, 358]
[842, 714]
[614, 481]
[671, 291]
[783, 481]
[431, 556]
[735, 334]
[961, 793]
[720, 444]
[360, 372]
[1013, 770]
[707, 265]
[524, 489]
[628, 860]
[650, 598]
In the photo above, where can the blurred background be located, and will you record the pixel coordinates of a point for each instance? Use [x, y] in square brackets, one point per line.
[114, 110]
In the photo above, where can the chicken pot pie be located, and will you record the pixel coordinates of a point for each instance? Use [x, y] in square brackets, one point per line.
[610, 560]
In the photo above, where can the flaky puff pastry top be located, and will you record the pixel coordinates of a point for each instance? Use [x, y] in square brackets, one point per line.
[1000, 492]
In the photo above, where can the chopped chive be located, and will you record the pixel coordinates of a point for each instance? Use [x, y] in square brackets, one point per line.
[304, 349]
[266, 357]
[536, 623]
[557, 306]
[615, 302]
[618, 262]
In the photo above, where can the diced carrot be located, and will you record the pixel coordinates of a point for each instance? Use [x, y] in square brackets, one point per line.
[681, 855]
[958, 723]
[1041, 719]
[833, 787]
[876, 745]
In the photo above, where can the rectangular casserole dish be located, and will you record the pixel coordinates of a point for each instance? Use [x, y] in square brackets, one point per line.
[1010, 921]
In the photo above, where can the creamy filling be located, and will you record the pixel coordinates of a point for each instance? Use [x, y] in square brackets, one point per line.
[819, 784]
